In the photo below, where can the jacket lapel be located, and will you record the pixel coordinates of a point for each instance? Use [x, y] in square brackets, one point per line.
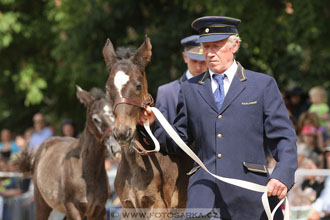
[236, 87]
[205, 90]
[183, 78]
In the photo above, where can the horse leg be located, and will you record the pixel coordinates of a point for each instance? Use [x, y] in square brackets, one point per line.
[42, 209]
[72, 213]
[160, 209]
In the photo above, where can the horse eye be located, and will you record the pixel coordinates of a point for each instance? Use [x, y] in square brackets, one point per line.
[139, 87]
[96, 119]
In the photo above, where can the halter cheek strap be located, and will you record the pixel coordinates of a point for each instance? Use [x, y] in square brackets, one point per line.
[105, 134]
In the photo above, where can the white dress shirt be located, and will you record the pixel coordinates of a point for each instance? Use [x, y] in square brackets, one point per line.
[229, 75]
[189, 75]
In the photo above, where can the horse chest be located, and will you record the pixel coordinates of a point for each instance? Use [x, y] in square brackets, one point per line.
[139, 192]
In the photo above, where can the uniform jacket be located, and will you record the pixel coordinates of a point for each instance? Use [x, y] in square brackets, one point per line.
[167, 98]
[232, 142]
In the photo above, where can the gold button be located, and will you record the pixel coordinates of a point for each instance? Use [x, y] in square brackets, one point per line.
[219, 135]
[219, 116]
[207, 30]
[219, 156]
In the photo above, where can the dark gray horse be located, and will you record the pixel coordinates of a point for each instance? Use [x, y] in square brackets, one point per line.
[68, 173]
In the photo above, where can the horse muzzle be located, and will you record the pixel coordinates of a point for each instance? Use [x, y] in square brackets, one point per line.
[123, 134]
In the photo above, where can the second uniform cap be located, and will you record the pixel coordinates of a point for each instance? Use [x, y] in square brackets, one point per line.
[192, 48]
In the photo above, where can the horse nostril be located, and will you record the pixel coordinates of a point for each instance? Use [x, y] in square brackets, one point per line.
[122, 133]
[128, 132]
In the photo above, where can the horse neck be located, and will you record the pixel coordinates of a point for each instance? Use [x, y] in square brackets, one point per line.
[133, 159]
[92, 153]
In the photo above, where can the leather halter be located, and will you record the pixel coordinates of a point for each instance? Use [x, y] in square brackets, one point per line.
[105, 134]
[137, 146]
[129, 102]
[149, 101]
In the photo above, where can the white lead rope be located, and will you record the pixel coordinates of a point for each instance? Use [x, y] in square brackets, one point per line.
[240, 183]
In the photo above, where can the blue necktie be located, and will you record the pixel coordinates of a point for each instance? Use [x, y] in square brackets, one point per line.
[219, 94]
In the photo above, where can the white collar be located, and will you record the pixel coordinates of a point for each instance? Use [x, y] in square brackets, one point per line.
[189, 75]
[230, 72]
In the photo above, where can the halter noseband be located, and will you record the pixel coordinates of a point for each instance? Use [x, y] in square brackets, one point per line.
[148, 101]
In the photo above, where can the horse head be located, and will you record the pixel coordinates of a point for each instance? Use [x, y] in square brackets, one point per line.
[127, 88]
[100, 120]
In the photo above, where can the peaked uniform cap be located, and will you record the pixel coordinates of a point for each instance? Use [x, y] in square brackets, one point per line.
[215, 28]
[192, 48]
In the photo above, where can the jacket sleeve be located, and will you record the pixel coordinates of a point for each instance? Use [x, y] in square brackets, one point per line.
[280, 135]
[162, 102]
[168, 146]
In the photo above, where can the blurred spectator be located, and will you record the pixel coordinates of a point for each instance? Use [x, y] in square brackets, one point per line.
[68, 128]
[310, 118]
[319, 98]
[316, 183]
[310, 186]
[308, 146]
[286, 100]
[16, 187]
[297, 102]
[321, 207]
[42, 132]
[294, 123]
[7, 145]
[22, 141]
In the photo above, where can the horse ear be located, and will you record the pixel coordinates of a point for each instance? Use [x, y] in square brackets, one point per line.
[109, 54]
[143, 54]
[107, 95]
[84, 96]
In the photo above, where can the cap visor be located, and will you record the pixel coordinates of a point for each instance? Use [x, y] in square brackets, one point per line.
[212, 38]
[199, 57]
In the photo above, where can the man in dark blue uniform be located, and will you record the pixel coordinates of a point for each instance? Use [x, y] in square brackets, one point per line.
[167, 95]
[233, 115]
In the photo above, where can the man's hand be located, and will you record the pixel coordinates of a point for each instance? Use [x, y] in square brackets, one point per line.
[276, 188]
[146, 114]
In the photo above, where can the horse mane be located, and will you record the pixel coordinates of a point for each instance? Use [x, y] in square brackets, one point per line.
[97, 93]
[125, 52]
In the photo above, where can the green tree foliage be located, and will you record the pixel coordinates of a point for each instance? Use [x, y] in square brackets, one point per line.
[47, 47]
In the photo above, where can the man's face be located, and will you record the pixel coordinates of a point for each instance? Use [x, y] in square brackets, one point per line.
[39, 122]
[195, 67]
[308, 139]
[68, 130]
[5, 135]
[219, 55]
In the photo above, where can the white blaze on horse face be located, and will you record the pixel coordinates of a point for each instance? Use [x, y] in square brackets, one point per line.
[108, 113]
[121, 78]
[97, 121]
